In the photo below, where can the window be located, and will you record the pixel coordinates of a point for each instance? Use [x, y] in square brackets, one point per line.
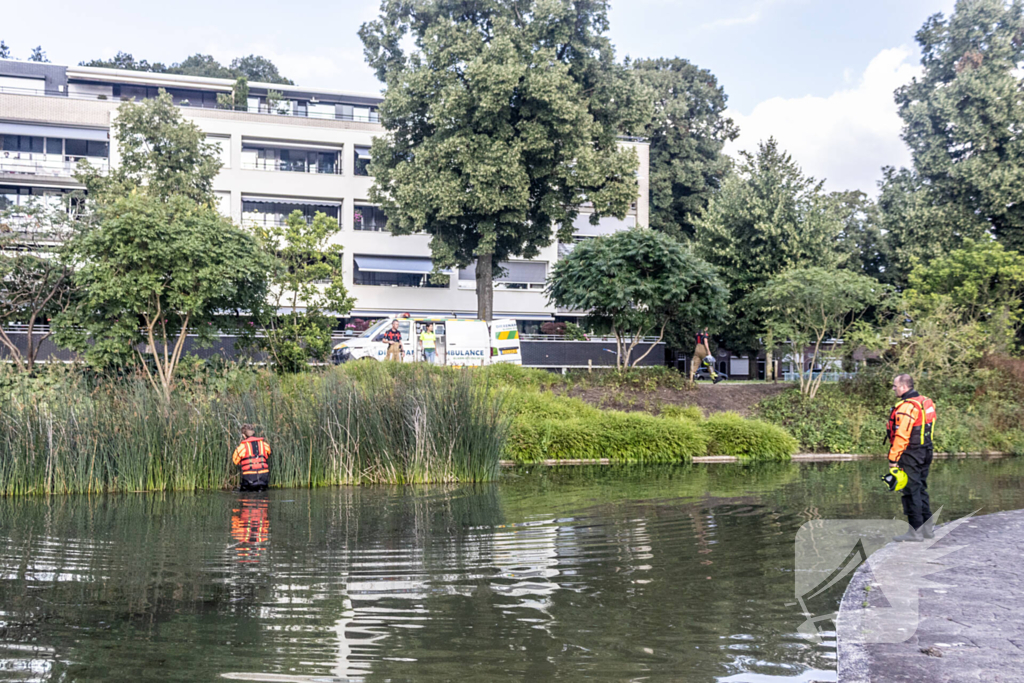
[223, 203]
[55, 146]
[343, 111]
[393, 271]
[368, 217]
[86, 148]
[362, 160]
[21, 143]
[524, 275]
[269, 211]
[291, 160]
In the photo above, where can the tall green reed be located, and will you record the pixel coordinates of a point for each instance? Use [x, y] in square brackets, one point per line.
[329, 429]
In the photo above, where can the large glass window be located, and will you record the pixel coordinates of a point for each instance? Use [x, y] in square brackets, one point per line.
[21, 143]
[268, 213]
[86, 148]
[393, 271]
[55, 146]
[362, 161]
[516, 275]
[368, 217]
[292, 160]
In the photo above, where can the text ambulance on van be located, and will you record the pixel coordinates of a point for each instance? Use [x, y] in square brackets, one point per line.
[459, 342]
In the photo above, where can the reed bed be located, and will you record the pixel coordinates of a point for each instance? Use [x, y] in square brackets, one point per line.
[324, 429]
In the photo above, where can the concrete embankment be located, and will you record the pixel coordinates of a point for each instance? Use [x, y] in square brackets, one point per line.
[969, 619]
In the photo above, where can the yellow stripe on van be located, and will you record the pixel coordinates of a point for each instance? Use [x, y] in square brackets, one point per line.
[513, 334]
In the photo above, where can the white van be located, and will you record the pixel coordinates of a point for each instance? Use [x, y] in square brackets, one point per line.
[459, 341]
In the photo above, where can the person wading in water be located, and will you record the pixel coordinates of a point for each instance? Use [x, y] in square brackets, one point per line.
[252, 456]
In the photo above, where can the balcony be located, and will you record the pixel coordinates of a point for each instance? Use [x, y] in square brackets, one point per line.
[46, 165]
[270, 212]
[323, 162]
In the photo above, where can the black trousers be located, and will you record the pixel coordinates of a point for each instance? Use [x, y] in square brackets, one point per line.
[254, 482]
[916, 505]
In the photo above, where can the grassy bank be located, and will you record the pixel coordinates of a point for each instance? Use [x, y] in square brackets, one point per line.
[980, 411]
[63, 432]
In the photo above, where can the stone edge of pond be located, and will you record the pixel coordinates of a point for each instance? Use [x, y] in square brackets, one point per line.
[971, 622]
[799, 457]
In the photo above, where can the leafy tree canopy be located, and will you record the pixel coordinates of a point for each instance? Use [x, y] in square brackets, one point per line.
[160, 153]
[768, 218]
[253, 67]
[962, 118]
[302, 310]
[38, 55]
[807, 307]
[917, 225]
[637, 281]
[5, 51]
[687, 133]
[158, 261]
[500, 124]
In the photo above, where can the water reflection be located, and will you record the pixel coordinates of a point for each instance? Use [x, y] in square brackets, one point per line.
[250, 527]
[681, 573]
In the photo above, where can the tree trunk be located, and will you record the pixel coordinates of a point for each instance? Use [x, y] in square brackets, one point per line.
[485, 287]
[769, 368]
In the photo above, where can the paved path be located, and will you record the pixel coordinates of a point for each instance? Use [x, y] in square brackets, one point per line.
[970, 629]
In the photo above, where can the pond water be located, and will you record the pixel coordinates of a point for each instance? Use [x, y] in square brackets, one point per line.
[681, 573]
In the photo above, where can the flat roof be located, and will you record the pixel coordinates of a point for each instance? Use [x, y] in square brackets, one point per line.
[164, 80]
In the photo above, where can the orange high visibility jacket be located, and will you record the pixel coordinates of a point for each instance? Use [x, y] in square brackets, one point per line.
[252, 456]
[911, 424]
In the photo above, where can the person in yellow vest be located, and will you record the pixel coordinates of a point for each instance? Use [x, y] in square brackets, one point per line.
[252, 456]
[911, 423]
[429, 342]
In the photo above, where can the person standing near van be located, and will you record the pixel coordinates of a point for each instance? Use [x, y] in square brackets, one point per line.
[429, 341]
[393, 338]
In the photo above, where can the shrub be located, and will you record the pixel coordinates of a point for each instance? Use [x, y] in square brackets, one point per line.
[620, 437]
[691, 413]
[730, 434]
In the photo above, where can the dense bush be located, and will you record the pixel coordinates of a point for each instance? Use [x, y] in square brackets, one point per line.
[552, 427]
[730, 434]
[981, 411]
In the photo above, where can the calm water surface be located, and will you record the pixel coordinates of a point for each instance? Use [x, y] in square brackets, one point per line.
[577, 574]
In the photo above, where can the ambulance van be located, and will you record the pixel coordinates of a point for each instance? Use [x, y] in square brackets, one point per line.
[459, 341]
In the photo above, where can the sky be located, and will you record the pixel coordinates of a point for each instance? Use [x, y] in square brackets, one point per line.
[818, 75]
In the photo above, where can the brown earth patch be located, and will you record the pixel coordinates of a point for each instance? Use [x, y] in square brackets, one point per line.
[710, 398]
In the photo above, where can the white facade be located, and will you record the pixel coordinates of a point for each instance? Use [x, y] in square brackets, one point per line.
[300, 152]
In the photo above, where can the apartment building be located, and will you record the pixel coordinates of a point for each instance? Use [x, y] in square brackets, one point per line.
[293, 148]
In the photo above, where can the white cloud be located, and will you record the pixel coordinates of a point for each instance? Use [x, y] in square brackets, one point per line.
[751, 18]
[846, 137]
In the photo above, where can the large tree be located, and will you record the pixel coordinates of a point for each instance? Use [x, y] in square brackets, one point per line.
[500, 123]
[638, 282]
[687, 132]
[963, 117]
[159, 262]
[917, 225]
[768, 218]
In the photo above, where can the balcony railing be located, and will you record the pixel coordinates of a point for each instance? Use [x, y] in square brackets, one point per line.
[261, 109]
[291, 167]
[24, 163]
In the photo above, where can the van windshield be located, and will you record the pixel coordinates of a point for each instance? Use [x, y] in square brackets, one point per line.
[377, 329]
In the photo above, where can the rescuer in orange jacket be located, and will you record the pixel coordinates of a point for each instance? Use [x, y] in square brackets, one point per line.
[910, 428]
[252, 456]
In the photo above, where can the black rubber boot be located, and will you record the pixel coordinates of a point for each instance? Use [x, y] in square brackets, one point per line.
[927, 530]
[717, 379]
[913, 536]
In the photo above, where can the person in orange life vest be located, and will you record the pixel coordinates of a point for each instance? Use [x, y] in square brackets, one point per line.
[394, 340]
[252, 456]
[910, 428]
